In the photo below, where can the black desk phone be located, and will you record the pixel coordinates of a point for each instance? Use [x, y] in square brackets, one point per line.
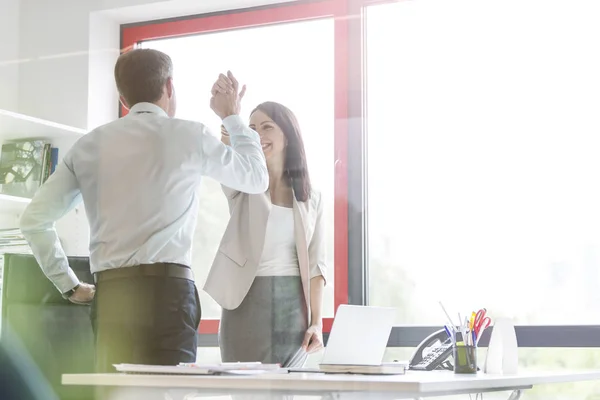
[433, 353]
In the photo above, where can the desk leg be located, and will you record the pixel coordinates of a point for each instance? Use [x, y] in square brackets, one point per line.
[516, 394]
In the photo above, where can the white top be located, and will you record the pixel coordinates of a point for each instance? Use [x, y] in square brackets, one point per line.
[412, 383]
[138, 177]
[279, 256]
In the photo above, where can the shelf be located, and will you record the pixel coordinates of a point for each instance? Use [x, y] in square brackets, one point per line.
[14, 126]
[6, 200]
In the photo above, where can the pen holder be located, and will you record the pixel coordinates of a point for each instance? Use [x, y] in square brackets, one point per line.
[465, 359]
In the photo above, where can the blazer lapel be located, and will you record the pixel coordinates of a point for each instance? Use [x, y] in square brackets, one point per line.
[258, 215]
[302, 248]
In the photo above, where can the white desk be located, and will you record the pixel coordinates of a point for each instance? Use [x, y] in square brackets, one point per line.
[413, 385]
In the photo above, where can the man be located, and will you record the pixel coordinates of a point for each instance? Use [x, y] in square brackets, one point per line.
[138, 177]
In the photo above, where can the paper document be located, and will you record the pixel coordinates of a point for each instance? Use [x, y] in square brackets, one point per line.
[384, 369]
[198, 369]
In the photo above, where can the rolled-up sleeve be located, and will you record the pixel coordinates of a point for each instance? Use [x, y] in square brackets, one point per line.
[241, 166]
[317, 254]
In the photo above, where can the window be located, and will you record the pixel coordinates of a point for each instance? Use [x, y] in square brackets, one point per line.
[488, 111]
[287, 53]
[276, 65]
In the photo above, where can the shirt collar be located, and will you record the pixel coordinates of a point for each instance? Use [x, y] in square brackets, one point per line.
[147, 108]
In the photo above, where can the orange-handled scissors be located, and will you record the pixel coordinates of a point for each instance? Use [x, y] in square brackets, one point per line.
[481, 321]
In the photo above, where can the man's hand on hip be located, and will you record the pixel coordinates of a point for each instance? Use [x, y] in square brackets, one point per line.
[84, 294]
[226, 96]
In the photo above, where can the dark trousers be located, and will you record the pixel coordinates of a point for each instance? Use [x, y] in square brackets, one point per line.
[145, 320]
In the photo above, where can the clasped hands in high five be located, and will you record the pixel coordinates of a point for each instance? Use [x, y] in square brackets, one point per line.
[226, 96]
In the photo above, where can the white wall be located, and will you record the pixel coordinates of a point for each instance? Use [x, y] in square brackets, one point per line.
[68, 49]
[9, 54]
[104, 37]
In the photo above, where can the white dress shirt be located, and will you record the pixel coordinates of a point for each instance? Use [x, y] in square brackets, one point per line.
[138, 178]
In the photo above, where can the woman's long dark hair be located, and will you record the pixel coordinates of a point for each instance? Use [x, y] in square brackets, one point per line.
[295, 168]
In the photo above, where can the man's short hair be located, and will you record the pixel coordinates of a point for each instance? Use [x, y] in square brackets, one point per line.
[141, 74]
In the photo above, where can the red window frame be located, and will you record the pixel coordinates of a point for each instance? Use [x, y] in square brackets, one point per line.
[282, 13]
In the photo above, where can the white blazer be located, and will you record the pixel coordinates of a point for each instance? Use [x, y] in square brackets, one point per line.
[236, 263]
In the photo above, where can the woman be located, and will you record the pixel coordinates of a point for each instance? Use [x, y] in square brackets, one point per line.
[268, 274]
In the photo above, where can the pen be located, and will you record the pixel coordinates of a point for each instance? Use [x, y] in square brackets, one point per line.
[448, 333]
[448, 316]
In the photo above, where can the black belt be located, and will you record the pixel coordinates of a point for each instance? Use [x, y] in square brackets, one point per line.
[167, 270]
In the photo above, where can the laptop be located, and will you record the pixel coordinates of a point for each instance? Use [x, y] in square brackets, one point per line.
[358, 339]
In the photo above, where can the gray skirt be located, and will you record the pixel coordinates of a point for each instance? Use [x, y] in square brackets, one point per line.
[269, 326]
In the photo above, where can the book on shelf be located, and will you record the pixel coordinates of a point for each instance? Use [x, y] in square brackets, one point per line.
[25, 165]
[53, 159]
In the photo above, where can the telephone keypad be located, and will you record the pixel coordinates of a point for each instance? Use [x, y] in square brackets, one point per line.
[435, 357]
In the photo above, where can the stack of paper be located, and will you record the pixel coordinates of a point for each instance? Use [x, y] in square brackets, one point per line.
[200, 369]
[12, 241]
